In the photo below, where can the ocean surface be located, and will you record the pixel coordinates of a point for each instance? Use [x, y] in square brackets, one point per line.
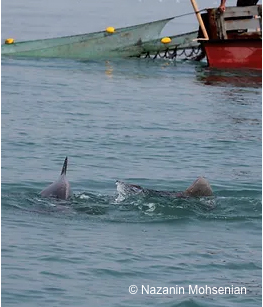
[159, 124]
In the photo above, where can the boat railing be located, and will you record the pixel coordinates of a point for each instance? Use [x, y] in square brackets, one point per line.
[235, 22]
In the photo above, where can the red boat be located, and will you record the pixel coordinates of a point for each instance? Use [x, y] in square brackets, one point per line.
[232, 39]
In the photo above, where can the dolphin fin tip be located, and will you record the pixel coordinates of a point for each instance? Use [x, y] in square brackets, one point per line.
[64, 168]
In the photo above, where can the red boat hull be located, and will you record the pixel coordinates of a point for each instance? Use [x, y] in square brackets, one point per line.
[234, 53]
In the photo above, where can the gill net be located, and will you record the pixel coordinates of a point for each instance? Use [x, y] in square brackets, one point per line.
[173, 53]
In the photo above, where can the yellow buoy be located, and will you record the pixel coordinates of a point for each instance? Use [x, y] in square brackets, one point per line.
[110, 30]
[9, 41]
[166, 40]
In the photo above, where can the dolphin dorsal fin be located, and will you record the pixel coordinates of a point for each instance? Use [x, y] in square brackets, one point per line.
[65, 165]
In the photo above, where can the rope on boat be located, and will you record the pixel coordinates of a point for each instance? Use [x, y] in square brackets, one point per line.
[192, 13]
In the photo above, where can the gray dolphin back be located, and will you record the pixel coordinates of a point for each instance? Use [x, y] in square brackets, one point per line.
[60, 188]
[199, 188]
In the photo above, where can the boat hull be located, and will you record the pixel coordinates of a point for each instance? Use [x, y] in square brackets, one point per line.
[234, 53]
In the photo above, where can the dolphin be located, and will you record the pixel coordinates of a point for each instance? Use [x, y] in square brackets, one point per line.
[199, 188]
[60, 188]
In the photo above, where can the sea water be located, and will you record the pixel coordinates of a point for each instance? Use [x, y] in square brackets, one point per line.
[159, 124]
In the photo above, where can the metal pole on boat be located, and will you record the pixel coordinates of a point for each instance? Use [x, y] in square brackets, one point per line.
[200, 20]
